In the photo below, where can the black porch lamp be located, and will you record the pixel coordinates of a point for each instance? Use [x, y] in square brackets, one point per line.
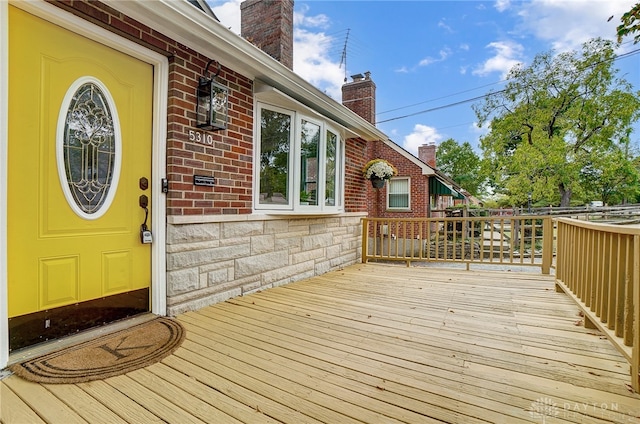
[212, 109]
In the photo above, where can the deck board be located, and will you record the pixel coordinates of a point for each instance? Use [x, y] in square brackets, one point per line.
[371, 343]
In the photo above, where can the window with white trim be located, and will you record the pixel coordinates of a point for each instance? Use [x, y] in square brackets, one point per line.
[299, 162]
[399, 193]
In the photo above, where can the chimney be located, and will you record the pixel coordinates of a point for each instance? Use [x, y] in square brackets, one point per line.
[427, 154]
[269, 25]
[360, 96]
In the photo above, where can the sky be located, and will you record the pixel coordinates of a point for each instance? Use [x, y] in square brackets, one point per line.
[429, 58]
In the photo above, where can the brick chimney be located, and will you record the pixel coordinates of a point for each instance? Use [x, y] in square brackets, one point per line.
[427, 154]
[269, 25]
[360, 96]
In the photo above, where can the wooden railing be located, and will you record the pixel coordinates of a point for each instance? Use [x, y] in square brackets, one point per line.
[498, 240]
[598, 265]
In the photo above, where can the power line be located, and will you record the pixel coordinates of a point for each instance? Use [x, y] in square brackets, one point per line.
[442, 107]
[442, 97]
[621, 56]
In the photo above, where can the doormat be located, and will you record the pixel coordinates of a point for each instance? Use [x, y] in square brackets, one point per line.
[114, 354]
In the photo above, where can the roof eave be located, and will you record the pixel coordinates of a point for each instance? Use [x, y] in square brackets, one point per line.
[189, 26]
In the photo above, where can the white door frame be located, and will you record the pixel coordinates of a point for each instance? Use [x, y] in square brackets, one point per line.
[158, 202]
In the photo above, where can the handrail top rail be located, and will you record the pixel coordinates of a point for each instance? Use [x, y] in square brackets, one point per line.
[460, 218]
[601, 226]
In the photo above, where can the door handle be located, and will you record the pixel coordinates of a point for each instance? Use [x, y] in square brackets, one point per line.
[145, 235]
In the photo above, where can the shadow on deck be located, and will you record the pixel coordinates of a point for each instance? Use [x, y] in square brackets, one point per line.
[371, 343]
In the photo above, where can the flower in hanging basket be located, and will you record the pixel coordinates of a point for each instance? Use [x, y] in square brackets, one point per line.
[379, 168]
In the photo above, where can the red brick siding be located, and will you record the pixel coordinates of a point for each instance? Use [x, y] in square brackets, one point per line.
[228, 157]
[360, 97]
[269, 25]
[355, 189]
[377, 198]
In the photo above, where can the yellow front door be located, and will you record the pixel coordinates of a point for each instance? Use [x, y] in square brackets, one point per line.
[80, 123]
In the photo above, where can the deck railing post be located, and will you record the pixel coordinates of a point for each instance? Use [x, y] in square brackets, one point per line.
[365, 240]
[635, 355]
[547, 245]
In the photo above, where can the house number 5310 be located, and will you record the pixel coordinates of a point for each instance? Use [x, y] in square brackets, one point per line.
[200, 137]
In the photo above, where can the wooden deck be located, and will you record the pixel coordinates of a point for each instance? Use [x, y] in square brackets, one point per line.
[369, 344]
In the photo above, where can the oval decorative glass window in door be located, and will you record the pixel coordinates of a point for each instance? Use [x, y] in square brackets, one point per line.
[88, 147]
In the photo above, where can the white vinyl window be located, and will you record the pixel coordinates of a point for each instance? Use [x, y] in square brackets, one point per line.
[399, 193]
[299, 162]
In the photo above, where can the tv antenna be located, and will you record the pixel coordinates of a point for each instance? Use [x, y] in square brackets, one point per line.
[343, 58]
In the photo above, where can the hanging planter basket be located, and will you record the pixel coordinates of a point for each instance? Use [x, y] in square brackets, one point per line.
[377, 171]
[377, 182]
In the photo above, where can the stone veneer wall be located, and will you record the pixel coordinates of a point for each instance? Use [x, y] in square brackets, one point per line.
[210, 262]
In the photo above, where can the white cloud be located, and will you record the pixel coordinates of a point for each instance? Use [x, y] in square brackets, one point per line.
[502, 5]
[301, 19]
[422, 134]
[567, 24]
[474, 128]
[507, 55]
[312, 53]
[443, 54]
[229, 14]
[311, 47]
[443, 25]
[312, 61]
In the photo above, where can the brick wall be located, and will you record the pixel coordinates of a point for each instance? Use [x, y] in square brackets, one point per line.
[356, 156]
[226, 155]
[360, 96]
[427, 154]
[269, 25]
[377, 198]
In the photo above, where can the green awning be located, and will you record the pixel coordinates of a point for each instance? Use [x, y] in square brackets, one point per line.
[440, 188]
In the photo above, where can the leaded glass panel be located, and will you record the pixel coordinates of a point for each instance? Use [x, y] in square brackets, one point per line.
[89, 147]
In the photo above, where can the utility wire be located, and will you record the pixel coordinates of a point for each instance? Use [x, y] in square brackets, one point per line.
[621, 56]
[442, 107]
[442, 97]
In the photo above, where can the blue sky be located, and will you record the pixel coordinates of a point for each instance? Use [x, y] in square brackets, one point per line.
[426, 54]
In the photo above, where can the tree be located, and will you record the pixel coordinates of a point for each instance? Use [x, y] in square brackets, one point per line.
[554, 118]
[461, 163]
[613, 179]
[630, 24]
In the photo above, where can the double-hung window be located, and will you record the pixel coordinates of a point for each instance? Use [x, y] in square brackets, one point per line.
[299, 162]
[398, 193]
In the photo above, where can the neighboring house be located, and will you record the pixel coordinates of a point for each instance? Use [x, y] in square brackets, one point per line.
[419, 189]
[113, 201]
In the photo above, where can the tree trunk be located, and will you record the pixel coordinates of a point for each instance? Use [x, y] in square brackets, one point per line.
[565, 196]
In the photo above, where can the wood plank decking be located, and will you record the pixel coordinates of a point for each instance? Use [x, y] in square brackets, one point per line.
[368, 344]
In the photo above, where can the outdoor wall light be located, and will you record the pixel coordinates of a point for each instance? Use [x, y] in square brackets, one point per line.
[212, 109]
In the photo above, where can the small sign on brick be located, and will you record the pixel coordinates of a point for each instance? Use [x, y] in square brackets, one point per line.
[204, 180]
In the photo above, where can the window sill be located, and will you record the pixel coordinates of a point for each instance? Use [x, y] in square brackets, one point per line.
[255, 216]
[399, 210]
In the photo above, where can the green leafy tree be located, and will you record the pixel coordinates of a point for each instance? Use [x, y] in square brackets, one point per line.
[613, 179]
[630, 24]
[553, 119]
[462, 164]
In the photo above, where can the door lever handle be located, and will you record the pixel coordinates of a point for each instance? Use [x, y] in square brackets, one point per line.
[145, 234]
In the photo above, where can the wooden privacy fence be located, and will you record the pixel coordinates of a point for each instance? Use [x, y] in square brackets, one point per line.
[598, 265]
[499, 240]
